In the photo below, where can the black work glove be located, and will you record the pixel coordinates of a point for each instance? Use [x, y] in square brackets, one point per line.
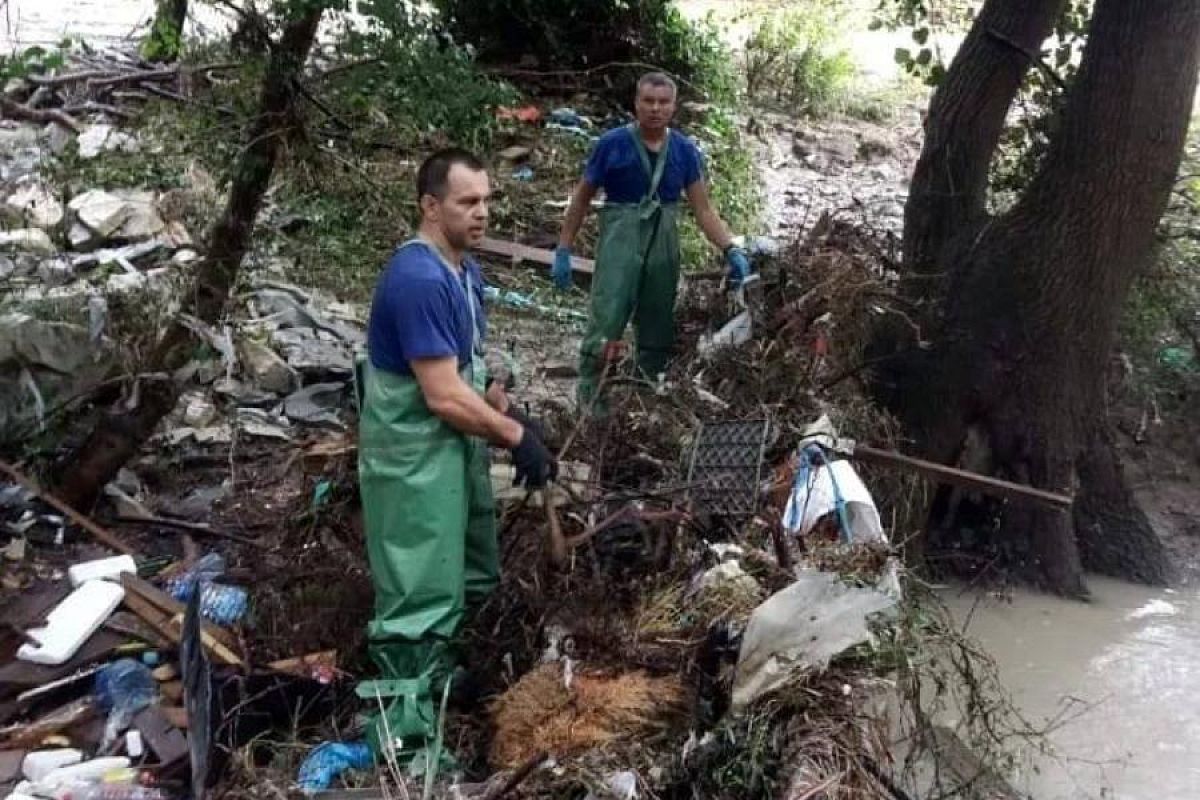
[535, 465]
[527, 422]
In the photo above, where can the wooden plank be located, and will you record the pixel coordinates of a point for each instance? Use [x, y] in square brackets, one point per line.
[171, 625]
[99, 534]
[521, 252]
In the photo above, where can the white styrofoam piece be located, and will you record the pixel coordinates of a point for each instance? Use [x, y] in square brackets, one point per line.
[40, 763]
[86, 772]
[133, 743]
[72, 622]
[105, 568]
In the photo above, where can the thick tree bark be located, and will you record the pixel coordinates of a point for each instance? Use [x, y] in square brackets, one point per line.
[119, 435]
[966, 118]
[1031, 300]
[164, 41]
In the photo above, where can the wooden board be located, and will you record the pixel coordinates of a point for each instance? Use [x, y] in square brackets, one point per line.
[520, 252]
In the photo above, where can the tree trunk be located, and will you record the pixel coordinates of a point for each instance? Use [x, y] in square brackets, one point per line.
[1030, 301]
[121, 433]
[165, 39]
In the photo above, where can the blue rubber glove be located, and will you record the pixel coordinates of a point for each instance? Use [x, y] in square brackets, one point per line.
[561, 271]
[739, 265]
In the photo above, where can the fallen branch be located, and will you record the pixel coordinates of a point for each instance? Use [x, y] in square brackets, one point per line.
[14, 110]
[518, 777]
[92, 107]
[190, 527]
[100, 534]
[157, 74]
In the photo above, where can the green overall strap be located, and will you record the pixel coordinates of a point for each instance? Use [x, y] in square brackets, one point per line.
[650, 203]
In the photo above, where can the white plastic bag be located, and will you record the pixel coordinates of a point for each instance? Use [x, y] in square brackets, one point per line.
[814, 497]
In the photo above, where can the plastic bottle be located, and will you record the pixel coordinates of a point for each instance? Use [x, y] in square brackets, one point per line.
[41, 763]
[109, 791]
[205, 570]
[223, 604]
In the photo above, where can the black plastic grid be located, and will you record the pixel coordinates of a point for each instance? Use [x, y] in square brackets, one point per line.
[726, 467]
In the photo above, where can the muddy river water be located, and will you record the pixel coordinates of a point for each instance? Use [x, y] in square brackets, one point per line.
[1123, 668]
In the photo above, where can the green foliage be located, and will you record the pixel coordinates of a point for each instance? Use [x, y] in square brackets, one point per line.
[794, 59]
[413, 86]
[732, 182]
[567, 34]
[164, 42]
[33, 60]
[1160, 327]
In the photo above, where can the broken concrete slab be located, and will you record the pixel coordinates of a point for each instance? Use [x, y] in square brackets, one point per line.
[102, 212]
[243, 394]
[36, 206]
[315, 358]
[257, 422]
[317, 404]
[27, 240]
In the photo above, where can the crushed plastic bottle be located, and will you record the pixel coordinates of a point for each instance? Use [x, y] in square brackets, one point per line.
[109, 791]
[329, 760]
[219, 603]
[122, 689]
[206, 569]
[223, 604]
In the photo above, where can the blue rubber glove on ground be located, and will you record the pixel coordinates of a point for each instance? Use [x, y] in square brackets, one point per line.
[561, 271]
[739, 265]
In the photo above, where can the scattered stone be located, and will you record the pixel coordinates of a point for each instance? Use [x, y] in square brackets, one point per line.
[57, 138]
[515, 153]
[56, 272]
[29, 240]
[185, 256]
[266, 369]
[7, 268]
[80, 238]
[143, 221]
[198, 412]
[101, 211]
[21, 137]
[198, 505]
[36, 206]
[104, 138]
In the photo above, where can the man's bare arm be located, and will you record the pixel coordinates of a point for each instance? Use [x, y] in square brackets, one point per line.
[450, 398]
[581, 202]
[707, 218]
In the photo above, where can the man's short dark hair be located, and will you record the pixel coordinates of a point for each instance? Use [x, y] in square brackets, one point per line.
[660, 79]
[434, 173]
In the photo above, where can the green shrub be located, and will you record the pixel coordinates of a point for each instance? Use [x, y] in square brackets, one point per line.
[794, 59]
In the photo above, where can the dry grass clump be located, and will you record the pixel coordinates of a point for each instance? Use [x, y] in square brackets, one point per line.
[542, 713]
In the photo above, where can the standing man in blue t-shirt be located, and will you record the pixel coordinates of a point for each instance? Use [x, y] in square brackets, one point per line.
[427, 417]
[643, 169]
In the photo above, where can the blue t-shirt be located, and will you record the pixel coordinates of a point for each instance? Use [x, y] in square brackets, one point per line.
[420, 310]
[616, 167]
